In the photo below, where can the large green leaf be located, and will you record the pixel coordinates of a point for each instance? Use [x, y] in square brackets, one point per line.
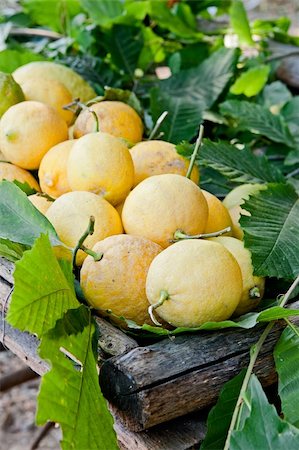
[189, 93]
[125, 45]
[237, 165]
[272, 231]
[260, 426]
[276, 95]
[41, 293]
[252, 81]
[11, 250]
[119, 95]
[286, 356]
[239, 22]
[259, 120]
[221, 414]
[20, 221]
[70, 393]
[103, 12]
[10, 59]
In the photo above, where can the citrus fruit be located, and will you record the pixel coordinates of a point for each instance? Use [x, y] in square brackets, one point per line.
[52, 92]
[75, 84]
[218, 217]
[10, 92]
[10, 172]
[235, 214]
[40, 202]
[52, 172]
[158, 157]
[116, 118]
[160, 205]
[238, 195]
[28, 130]
[102, 164]
[70, 215]
[200, 280]
[109, 284]
[253, 287]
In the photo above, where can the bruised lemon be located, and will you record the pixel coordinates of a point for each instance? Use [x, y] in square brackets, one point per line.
[199, 280]
[10, 172]
[108, 284]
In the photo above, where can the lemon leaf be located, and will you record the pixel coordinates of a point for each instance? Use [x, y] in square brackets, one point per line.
[11, 59]
[251, 82]
[70, 394]
[20, 221]
[11, 250]
[239, 22]
[271, 232]
[42, 293]
[125, 45]
[286, 362]
[260, 427]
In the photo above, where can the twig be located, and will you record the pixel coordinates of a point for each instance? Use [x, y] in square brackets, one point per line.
[35, 32]
[195, 151]
[89, 231]
[157, 125]
[284, 55]
[42, 433]
[18, 377]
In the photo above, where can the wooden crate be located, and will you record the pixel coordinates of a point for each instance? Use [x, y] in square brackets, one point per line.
[160, 382]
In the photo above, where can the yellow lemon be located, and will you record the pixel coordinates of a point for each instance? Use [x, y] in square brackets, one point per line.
[200, 280]
[161, 205]
[116, 118]
[238, 195]
[158, 157]
[253, 286]
[235, 214]
[109, 284]
[76, 85]
[70, 215]
[28, 130]
[102, 164]
[218, 217]
[10, 172]
[52, 92]
[52, 172]
[41, 203]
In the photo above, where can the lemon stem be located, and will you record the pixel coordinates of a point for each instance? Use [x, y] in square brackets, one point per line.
[163, 296]
[195, 151]
[254, 293]
[89, 231]
[180, 235]
[157, 125]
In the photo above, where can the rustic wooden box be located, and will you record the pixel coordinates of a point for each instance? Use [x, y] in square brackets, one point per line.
[165, 380]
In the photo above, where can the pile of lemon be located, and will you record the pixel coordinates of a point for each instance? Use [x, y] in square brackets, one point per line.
[140, 198]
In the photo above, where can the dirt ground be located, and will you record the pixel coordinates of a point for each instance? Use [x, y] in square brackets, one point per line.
[17, 406]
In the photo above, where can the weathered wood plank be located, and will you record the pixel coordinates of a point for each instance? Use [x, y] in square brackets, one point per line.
[156, 383]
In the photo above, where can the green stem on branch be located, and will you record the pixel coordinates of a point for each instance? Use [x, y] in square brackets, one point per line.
[254, 351]
[180, 235]
[163, 296]
[195, 151]
[88, 232]
[157, 125]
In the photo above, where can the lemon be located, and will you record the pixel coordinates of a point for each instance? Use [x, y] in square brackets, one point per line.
[52, 172]
[41, 203]
[28, 130]
[10, 172]
[218, 217]
[52, 92]
[253, 286]
[238, 195]
[75, 84]
[10, 92]
[201, 279]
[70, 215]
[161, 205]
[116, 118]
[235, 214]
[109, 284]
[158, 157]
[102, 164]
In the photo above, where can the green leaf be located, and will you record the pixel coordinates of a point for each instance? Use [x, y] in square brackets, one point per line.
[41, 293]
[220, 415]
[275, 96]
[258, 120]
[286, 363]
[119, 95]
[251, 82]
[20, 221]
[25, 187]
[70, 394]
[10, 60]
[125, 45]
[103, 12]
[189, 93]
[277, 313]
[11, 250]
[262, 427]
[271, 232]
[52, 13]
[237, 165]
[290, 111]
[239, 22]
